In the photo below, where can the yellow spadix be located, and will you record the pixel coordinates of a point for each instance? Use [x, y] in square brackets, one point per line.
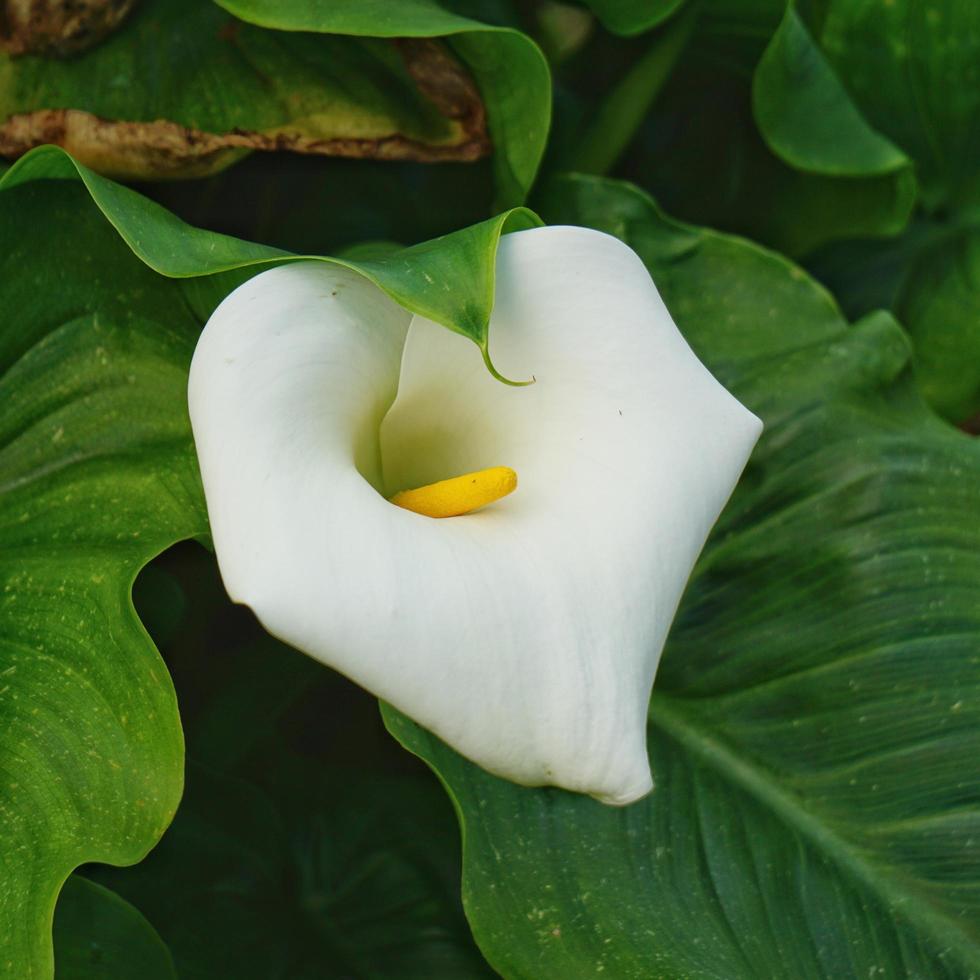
[459, 495]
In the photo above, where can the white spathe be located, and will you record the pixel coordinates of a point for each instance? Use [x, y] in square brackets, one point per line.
[525, 635]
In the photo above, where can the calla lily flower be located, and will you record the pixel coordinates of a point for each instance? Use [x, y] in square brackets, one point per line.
[526, 634]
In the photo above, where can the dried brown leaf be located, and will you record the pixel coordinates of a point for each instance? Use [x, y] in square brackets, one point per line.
[57, 27]
[162, 149]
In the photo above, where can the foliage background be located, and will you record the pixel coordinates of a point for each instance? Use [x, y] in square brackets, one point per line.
[814, 725]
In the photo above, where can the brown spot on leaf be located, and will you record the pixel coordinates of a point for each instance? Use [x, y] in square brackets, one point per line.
[447, 85]
[972, 425]
[162, 149]
[229, 30]
[57, 27]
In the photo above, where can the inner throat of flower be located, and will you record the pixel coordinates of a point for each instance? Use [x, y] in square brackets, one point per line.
[459, 495]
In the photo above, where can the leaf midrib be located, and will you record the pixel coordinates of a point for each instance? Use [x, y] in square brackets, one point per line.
[761, 784]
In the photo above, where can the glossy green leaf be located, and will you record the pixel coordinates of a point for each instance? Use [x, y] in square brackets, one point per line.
[700, 152]
[162, 241]
[449, 280]
[633, 16]
[912, 68]
[98, 936]
[940, 302]
[509, 69]
[97, 475]
[806, 116]
[815, 718]
[182, 89]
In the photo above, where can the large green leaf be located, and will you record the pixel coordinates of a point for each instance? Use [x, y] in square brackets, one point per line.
[98, 936]
[813, 730]
[98, 476]
[449, 279]
[183, 89]
[510, 70]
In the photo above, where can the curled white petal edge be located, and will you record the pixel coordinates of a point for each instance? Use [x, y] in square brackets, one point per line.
[526, 635]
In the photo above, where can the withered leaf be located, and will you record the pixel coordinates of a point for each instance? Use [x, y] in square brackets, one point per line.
[57, 27]
[182, 89]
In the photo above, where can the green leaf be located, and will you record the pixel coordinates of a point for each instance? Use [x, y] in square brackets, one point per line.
[701, 153]
[98, 476]
[162, 241]
[98, 936]
[912, 70]
[633, 16]
[449, 280]
[940, 303]
[843, 87]
[930, 276]
[183, 89]
[907, 70]
[816, 711]
[426, 278]
[509, 68]
[805, 115]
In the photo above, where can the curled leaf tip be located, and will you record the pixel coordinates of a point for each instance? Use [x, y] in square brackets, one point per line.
[485, 351]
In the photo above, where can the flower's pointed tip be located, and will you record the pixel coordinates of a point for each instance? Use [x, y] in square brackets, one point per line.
[485, 351]
[634, 794]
